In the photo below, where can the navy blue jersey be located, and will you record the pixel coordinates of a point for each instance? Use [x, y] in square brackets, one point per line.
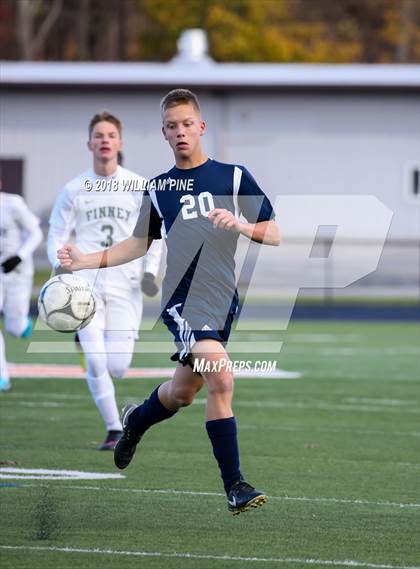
[200, 270]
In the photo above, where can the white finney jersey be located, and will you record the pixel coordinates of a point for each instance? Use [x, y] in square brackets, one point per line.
[102, 211]
[20, 233]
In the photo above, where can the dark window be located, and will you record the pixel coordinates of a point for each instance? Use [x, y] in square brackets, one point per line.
[11, 174]
[415, 182]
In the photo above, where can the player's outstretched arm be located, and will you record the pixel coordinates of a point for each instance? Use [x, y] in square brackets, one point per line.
[72, 258]
[265, 232]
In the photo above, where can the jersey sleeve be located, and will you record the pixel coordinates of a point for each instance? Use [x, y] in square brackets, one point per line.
[62, 221]
[152, 259]
[253, 203]
[149, 223]
[29, 226]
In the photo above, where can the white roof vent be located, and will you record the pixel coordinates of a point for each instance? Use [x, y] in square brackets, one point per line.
[192, 47]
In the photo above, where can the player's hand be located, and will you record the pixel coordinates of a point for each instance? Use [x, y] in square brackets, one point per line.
[11, 263]
[224, 219]
[70, 257]
[148, 285]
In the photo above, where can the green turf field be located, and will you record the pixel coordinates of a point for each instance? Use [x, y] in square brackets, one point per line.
[336, 451]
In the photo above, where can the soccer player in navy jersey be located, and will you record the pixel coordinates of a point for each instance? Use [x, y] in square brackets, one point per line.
[197, 206]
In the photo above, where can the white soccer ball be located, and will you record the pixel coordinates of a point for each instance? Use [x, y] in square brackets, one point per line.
[66, 303]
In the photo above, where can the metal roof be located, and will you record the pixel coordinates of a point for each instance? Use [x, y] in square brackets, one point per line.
[209, 74]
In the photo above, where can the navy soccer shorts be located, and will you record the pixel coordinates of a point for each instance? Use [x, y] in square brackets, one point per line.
[185, 336]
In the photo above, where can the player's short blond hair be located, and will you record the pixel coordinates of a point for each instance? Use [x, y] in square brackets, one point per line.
[179, 97]
[107, 117]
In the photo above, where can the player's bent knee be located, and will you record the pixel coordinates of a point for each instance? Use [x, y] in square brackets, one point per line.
[118, 371]
[119, 363]
[183, 398]
[96, 365]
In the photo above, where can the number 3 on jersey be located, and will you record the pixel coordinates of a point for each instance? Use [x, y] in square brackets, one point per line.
[189, 209]
[108, 231]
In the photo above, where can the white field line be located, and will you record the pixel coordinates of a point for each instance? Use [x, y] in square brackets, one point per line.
[48, 474]
[50, 395]
[196, 493]
[321, 405]
[250, 426]
[350, 401]
[325, 370]
[202, 556]
[244, 425]
[318, 338]
[309, 338]
[356, 351]
[300, 405]
[44, 371]
[40, 404]
[377, 401]
[41, 477]
[156, 347]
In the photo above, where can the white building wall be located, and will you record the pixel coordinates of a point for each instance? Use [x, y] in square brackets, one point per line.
[49, 130]
[296, 143]
[330, 144]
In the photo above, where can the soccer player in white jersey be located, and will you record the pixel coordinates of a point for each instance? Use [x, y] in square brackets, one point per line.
[20, 235]
[101, 206]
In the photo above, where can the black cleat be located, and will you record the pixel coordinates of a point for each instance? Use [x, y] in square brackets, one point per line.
[126, 446]
[243, 496]
[111, 440]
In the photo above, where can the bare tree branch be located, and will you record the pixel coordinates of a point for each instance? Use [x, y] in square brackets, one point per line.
[83, 35]
[25, 14]
[39, 40]
[406, 16]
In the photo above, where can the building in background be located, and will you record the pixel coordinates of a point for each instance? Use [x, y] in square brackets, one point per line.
[301, 129]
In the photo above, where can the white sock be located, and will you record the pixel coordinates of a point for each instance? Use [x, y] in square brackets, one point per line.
[4, 373]
[103, 393]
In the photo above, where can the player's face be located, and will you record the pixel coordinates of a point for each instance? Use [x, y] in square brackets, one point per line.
[105, 142]
[183, 128]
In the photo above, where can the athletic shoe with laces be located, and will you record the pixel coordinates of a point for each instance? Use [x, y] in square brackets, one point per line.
[242, 496]
[111, 440]
[126, 446]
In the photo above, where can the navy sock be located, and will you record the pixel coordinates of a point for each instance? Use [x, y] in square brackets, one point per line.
[223, 437]
[150, 412]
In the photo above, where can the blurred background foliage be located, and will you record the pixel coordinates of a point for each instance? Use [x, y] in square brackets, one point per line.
[317, 31]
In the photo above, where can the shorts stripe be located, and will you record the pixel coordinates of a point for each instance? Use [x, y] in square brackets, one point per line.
[185, 332]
